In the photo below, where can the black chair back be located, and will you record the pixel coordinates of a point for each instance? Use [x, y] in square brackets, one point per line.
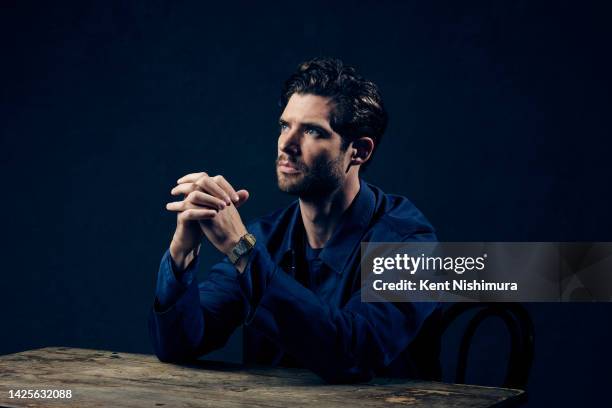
[520, 329]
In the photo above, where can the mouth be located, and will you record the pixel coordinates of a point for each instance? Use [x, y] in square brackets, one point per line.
[286, 167]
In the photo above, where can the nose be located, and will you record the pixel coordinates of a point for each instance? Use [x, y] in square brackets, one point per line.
[289, 142]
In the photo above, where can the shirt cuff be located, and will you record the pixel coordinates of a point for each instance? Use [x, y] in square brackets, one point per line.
[171, 283]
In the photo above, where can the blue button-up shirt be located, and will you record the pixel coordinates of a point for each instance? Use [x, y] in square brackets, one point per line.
[292, 318]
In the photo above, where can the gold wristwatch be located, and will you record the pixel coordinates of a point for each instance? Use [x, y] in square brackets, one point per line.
[243, 247]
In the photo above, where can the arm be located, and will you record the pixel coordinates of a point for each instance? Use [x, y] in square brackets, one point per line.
[187, 319]
[190, 319]
[345, 344]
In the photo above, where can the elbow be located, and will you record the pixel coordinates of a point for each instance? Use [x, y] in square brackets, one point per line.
[167, 353]
[169, 345]
[166, 356]
[345, 375]
[172, 353]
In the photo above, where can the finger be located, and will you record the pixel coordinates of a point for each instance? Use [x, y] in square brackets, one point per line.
[184, 205]
[191, 177]
[184, 188]
[209, 186]
[243, 196]
[200, 198]
[197, 214]
[227, 187]
[201, 185]
[176, 206]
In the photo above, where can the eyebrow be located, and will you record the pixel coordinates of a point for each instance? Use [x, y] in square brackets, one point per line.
[281, 121]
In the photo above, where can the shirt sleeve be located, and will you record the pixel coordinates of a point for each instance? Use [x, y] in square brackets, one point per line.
[171, 283]
[346, 344]
[190, 318]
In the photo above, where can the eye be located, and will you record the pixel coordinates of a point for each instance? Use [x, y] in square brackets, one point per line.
[282, 127]
[312, 131]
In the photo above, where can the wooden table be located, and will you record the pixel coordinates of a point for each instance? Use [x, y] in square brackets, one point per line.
[99, 378]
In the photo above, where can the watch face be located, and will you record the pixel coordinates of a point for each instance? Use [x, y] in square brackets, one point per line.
[242, 247]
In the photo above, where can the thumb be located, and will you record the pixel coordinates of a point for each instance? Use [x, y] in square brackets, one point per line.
[243, 196]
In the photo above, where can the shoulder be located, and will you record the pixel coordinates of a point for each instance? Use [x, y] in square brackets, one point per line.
[398, 219]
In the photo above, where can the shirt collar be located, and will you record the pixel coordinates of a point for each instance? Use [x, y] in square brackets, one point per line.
[347, 236]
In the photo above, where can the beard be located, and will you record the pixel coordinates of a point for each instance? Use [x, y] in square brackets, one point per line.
[318, 180]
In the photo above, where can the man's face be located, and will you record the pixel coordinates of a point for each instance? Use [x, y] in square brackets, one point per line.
[310, 160]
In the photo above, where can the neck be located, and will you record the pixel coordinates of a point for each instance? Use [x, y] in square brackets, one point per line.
[321, 216]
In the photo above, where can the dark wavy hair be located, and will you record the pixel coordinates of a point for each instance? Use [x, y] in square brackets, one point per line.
[359, 109]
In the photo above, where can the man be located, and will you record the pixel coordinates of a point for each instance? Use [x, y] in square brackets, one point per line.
[292, 278]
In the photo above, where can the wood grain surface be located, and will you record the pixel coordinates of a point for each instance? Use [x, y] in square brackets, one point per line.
[100, 378]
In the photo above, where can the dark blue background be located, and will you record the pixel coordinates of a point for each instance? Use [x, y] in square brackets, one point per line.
[500, 127]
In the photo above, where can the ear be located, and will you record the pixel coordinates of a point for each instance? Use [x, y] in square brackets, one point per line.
[362, 150]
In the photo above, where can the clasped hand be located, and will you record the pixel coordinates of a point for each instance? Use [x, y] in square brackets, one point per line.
[209, 208]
